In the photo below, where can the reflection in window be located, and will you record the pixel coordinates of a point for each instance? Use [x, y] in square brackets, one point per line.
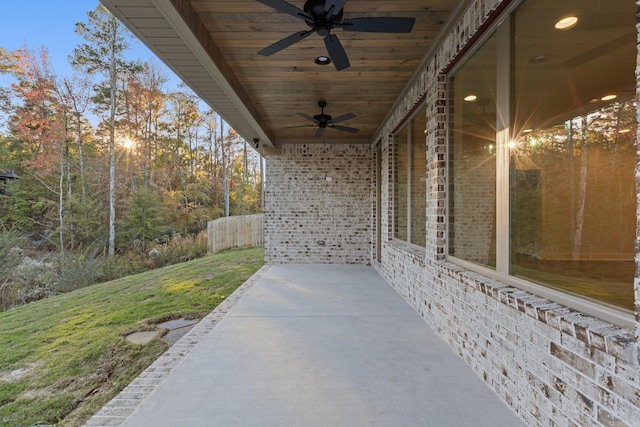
[573, 198]
[418, 180]
[472, 158]
[400, 185]
[574, 227]
[573, 204]
[571, 179]
[410, 209]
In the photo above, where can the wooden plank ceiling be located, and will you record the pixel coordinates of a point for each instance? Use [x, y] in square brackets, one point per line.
[273, 89]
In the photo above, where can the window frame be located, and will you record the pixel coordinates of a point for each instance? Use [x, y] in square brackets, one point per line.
[502, 28]
[407, 125]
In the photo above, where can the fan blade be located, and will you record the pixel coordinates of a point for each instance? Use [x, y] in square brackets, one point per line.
[308, 117]
[284, 43]
[344, 118]
[378, 25]
[337, 6]
[285, 7]
[318, 133]
[336, 52]
[344, 128]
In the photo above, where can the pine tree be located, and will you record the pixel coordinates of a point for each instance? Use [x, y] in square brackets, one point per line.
[107, 40]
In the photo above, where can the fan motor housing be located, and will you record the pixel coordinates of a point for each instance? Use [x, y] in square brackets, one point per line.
[315, 8]
[322, 119]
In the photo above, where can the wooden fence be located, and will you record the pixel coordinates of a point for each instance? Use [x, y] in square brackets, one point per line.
[235, 232]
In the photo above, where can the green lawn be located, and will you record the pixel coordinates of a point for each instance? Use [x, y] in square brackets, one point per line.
[64, 357]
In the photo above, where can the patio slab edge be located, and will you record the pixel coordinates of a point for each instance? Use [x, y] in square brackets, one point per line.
[132, 396]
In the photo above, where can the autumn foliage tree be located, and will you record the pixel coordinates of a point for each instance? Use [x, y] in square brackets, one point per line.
[112, 152]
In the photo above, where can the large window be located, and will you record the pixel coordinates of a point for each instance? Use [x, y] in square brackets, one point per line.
[409, 181]
[543, 149]
[472, 159]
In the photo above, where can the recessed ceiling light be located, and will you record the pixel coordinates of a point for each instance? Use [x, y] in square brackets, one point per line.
[608, 97]
[566, 23]
[540, 58]
[322, 60]
[470, 98]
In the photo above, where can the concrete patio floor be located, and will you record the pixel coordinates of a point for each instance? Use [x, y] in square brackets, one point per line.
[311, 345]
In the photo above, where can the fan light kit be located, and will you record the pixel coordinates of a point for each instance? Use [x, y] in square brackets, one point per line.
[325, 15]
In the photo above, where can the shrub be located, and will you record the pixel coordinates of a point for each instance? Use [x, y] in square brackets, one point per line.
[24, 279]
[121, 265]
[77, 270]
[33, 280]
[10, 258]
[10, 252]
[178, 249]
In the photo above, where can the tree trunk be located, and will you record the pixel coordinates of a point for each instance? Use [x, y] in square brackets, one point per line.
[81, 164]
[216, 168]
[112, 154]
[582, 193]
[211, 136]
[261, 182]
[69, 211]
[61, 199]
[225, 178]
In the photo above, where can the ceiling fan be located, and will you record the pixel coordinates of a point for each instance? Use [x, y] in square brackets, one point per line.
[323, 121]
[323, 16]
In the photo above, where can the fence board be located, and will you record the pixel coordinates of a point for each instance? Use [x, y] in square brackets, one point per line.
[235, 232]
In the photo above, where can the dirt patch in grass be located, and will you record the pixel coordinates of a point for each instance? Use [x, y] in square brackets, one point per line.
[66, 357]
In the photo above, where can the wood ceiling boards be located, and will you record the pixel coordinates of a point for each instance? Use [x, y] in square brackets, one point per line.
[273, 89]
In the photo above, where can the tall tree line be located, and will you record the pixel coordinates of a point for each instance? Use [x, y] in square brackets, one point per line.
[108, 157]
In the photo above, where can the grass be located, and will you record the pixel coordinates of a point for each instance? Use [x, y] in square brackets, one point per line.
[64, 357]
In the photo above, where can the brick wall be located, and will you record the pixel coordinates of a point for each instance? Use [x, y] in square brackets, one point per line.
[553, 365]
[318, 204]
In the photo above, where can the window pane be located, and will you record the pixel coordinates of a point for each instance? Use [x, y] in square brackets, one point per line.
[573, 199]
[400, 187]
[472, 161]
[419, 179]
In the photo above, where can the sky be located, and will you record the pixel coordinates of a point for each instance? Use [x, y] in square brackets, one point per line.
[49, 23]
